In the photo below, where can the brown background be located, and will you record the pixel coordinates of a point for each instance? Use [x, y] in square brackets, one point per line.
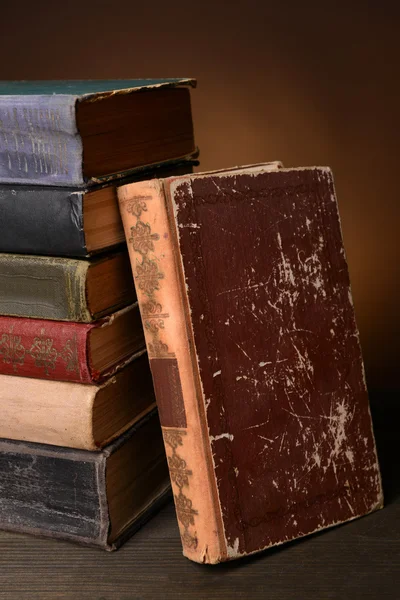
[306, 83]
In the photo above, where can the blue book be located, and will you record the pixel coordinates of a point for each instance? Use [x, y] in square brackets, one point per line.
[74, 133]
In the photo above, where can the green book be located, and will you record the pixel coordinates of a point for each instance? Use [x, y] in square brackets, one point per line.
[64, 289]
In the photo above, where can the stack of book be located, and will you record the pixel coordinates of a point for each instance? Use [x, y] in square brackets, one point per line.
[247, 315]
[81, 454]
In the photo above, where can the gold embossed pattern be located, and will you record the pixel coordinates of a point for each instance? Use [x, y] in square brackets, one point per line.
[43, 352]
[148, 278]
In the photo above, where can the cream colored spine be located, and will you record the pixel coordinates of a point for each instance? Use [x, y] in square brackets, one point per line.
[47, 412]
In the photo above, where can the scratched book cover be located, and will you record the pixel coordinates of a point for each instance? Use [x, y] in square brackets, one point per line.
[278, 353]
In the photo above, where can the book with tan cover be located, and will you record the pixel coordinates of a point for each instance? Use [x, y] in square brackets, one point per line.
[75, 415]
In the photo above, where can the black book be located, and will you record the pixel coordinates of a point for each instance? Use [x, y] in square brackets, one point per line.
[65, 221]
[94, 498]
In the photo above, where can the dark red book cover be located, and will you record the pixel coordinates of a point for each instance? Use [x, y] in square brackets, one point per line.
[56, 350]
[255, 355]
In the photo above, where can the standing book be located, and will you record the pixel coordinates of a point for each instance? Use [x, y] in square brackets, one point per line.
[245, 298]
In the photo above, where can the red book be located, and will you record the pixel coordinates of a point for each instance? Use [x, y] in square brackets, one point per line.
[65, 351]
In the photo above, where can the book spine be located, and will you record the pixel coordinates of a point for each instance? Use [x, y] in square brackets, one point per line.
[53, 493]
[47, 412]
[42, 220]
[44, 349]
[43, 288]
[39, 140]
[151, 236]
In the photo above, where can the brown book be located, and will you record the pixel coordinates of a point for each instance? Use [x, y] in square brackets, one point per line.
[75, 415]
[245, 297]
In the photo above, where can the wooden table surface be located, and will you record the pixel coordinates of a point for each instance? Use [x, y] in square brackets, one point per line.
[355, 561]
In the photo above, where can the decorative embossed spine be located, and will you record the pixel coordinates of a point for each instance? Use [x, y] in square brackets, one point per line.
[149, 229]
[39, 140]
[44, 349]
[55, 350]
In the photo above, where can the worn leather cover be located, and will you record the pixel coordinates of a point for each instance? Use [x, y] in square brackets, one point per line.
[45, 287]
[42, 220]
[243, 281]
[49, 220]
[40, 142]
[44, 349]
[61, 493]
[55, 349]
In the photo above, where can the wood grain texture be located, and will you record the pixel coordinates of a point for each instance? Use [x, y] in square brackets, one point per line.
[357, 561]
[352, 562]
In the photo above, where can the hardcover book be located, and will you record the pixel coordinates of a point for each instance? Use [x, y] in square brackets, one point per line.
[75, 415]
[245, 297]
[94, 498]
[74, 132]
[64, 289]
[78, 352]
[64, 221]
